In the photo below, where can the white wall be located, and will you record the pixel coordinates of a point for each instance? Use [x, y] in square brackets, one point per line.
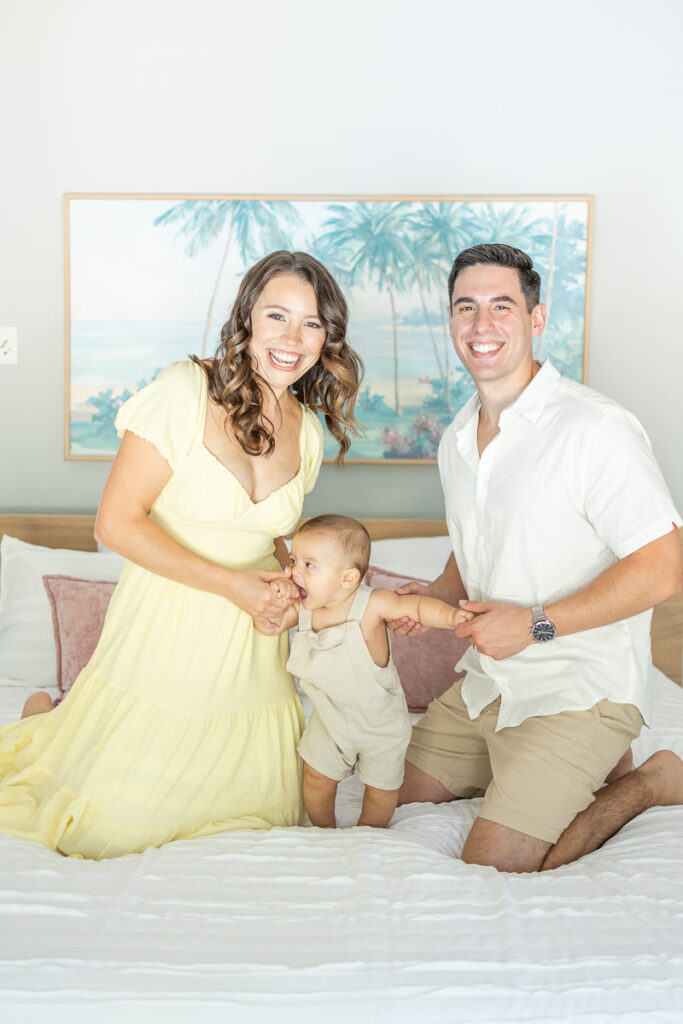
[305, 97]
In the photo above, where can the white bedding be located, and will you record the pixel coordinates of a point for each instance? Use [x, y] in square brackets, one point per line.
[354, 926]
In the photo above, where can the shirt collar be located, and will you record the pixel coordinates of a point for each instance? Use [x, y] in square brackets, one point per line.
[469, 409]
[533, 399]
[530, 403]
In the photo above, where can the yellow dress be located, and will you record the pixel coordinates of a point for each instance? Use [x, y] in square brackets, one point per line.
[184, 722]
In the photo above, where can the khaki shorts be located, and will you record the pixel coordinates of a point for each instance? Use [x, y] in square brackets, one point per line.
[378, 762]
[536, 776]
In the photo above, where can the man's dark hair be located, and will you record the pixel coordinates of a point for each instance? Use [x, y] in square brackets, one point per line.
[500, 255]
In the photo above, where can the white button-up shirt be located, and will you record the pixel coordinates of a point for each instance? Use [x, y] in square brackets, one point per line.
[567, 487]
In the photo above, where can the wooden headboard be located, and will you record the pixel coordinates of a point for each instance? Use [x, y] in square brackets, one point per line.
[76, 531]
[52, 531]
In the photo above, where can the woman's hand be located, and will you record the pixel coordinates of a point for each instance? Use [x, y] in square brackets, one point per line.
[267, 627]
[251, 590]
[278, 622]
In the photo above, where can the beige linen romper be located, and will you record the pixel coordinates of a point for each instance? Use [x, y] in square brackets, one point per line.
[360, 719]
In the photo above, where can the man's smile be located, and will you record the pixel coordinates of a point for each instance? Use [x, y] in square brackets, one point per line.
[485, 348]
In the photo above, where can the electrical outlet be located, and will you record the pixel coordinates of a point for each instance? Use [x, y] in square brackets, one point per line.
[8, 345]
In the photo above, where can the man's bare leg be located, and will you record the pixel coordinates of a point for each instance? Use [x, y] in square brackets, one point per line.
[419, 787]
[37, 704]
[510, 850]
[487, 843]
[623, 766]
[657, 782]
[503, 848]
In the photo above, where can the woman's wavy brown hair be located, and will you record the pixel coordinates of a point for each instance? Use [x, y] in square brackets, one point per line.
[330, 387]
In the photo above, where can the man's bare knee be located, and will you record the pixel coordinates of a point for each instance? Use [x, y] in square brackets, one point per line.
[506, 849]
[419, 787]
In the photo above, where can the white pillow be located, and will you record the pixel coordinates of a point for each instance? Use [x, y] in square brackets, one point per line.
[422, 558]
[27, 646]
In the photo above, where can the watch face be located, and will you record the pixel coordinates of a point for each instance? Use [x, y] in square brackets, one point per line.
[543, 630]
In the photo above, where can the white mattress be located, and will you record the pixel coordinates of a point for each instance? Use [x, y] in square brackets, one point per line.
[353, 925]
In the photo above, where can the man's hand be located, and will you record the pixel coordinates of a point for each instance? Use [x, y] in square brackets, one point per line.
[497, 629]
[405, 626]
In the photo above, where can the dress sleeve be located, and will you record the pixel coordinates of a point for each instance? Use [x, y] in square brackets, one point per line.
[312, 454]
[627, 499]
[167, 412]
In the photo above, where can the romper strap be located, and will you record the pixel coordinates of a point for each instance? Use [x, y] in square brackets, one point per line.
[359, 605]
[304, 617]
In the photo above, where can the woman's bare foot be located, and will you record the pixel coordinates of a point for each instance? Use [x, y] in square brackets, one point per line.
[623, 766]
[37, 704]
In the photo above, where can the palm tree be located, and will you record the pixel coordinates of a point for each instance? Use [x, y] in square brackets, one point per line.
[336, 258]
[566, 254]
[510, 223]
[373, 234]
[426, 270]
[256, 225]
[442, 228]
[438, 232]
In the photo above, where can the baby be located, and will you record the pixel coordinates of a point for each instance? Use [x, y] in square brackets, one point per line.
[341, 654]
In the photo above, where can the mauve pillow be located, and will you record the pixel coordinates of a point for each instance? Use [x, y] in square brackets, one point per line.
[78, 610]
[425, 664]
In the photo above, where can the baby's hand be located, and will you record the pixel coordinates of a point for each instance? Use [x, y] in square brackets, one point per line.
[462, 616]
[287, 590]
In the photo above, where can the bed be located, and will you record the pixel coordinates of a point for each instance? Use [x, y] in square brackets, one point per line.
[353, 925]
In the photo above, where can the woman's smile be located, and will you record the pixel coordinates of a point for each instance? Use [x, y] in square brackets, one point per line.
[282, 360]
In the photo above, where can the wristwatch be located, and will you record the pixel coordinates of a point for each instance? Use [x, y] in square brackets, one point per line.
[542, 629]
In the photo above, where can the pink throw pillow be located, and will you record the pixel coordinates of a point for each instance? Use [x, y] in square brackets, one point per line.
[78, 610]
[425, 664]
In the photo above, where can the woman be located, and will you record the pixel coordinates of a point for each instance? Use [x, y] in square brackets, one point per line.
[185, 721]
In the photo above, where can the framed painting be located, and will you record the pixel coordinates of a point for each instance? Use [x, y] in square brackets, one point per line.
[151, 279]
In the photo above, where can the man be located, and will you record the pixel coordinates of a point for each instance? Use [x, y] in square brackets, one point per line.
[564, 537]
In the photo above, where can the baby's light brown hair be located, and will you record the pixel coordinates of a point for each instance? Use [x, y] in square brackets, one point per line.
[352, 536]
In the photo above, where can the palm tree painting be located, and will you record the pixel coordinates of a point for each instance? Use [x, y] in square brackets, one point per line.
[150, 279]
